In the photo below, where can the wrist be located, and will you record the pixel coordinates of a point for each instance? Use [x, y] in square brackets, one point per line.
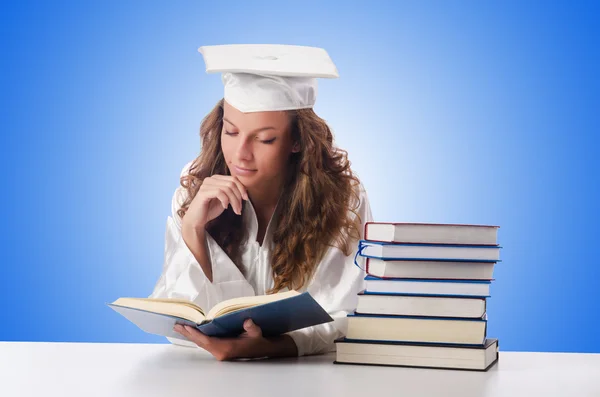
[195, 240]
[196, 231]
[279, 346]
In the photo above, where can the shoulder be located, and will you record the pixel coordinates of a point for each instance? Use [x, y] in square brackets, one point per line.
[361, 210]
[360, 189]
[186, 169]
[360, 197]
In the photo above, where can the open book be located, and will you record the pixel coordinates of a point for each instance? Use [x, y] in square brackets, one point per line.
[275, 314]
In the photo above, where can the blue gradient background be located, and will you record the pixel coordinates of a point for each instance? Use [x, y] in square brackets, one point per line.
[460, 112]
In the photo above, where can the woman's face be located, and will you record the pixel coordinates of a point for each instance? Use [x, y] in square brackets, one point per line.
[256, 145]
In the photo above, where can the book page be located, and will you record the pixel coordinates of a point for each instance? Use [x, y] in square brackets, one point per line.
[245, 302]
[173, 300]
[171, 307]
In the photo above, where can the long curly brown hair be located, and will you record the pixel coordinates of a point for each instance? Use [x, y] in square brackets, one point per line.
[316, 210]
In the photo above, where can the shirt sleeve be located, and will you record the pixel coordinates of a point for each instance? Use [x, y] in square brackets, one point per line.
[182, 276]
[335, 286]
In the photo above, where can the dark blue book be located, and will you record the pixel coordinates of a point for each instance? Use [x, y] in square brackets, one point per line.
[275, 314]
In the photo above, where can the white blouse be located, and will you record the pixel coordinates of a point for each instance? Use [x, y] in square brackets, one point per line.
[334, 285]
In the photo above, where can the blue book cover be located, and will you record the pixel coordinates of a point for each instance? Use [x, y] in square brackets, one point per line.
[485, 343]
[428, 280]
[428, 252]
[449, 296]
[274, 318]
[427, 287]
[425, 318]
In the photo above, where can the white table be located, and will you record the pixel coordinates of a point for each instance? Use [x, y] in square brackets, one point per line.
[88, 369]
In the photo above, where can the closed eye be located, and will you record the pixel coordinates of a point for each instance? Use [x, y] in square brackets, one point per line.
[268, 141]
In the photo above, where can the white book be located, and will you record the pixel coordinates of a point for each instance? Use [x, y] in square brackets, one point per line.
[428, 286]
[430, 269]
[400, 251]
[416, 329]
[435, 233]
[409, 305]
[477, 358]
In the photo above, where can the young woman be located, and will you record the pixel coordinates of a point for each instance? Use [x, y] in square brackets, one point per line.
[269, 205]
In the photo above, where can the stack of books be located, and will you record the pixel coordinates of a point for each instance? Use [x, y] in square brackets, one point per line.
[425, 299]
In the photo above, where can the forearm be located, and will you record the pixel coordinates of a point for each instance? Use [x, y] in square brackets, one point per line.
[195, 240]
[279, 346]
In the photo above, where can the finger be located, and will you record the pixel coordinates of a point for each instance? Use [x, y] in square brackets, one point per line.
[241, 187]
[232, 191]
[220, 349]
[235, 187]
[252, 329]
[211, 193]
[195, 336]
[221, 180]
[223, 197]
[198, 337]
[237, 182]
[179, 328]
[234, 201]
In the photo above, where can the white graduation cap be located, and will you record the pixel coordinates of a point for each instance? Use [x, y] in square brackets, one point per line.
[267, 77]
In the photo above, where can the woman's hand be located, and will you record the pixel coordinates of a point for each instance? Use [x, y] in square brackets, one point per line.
[214, 196]
[250, 344]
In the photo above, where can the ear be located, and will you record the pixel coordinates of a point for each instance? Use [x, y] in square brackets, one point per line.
[296, 147]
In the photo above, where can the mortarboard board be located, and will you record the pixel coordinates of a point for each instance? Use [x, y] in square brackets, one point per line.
[268, 77]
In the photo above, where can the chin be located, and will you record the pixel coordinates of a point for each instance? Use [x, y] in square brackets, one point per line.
[248, 179]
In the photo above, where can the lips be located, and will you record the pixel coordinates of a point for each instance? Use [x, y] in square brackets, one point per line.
[243, 171]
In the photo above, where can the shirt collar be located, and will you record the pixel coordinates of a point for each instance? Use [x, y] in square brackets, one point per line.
[251, 220]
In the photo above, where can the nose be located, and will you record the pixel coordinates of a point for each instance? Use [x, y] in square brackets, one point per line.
[244, 150]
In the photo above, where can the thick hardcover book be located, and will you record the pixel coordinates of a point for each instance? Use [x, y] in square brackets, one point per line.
[410, 286]
[395, 328]
[275, 314]
[429, 252]
[420, 305]
[417, 355]
[404, 232]
[420, 269]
